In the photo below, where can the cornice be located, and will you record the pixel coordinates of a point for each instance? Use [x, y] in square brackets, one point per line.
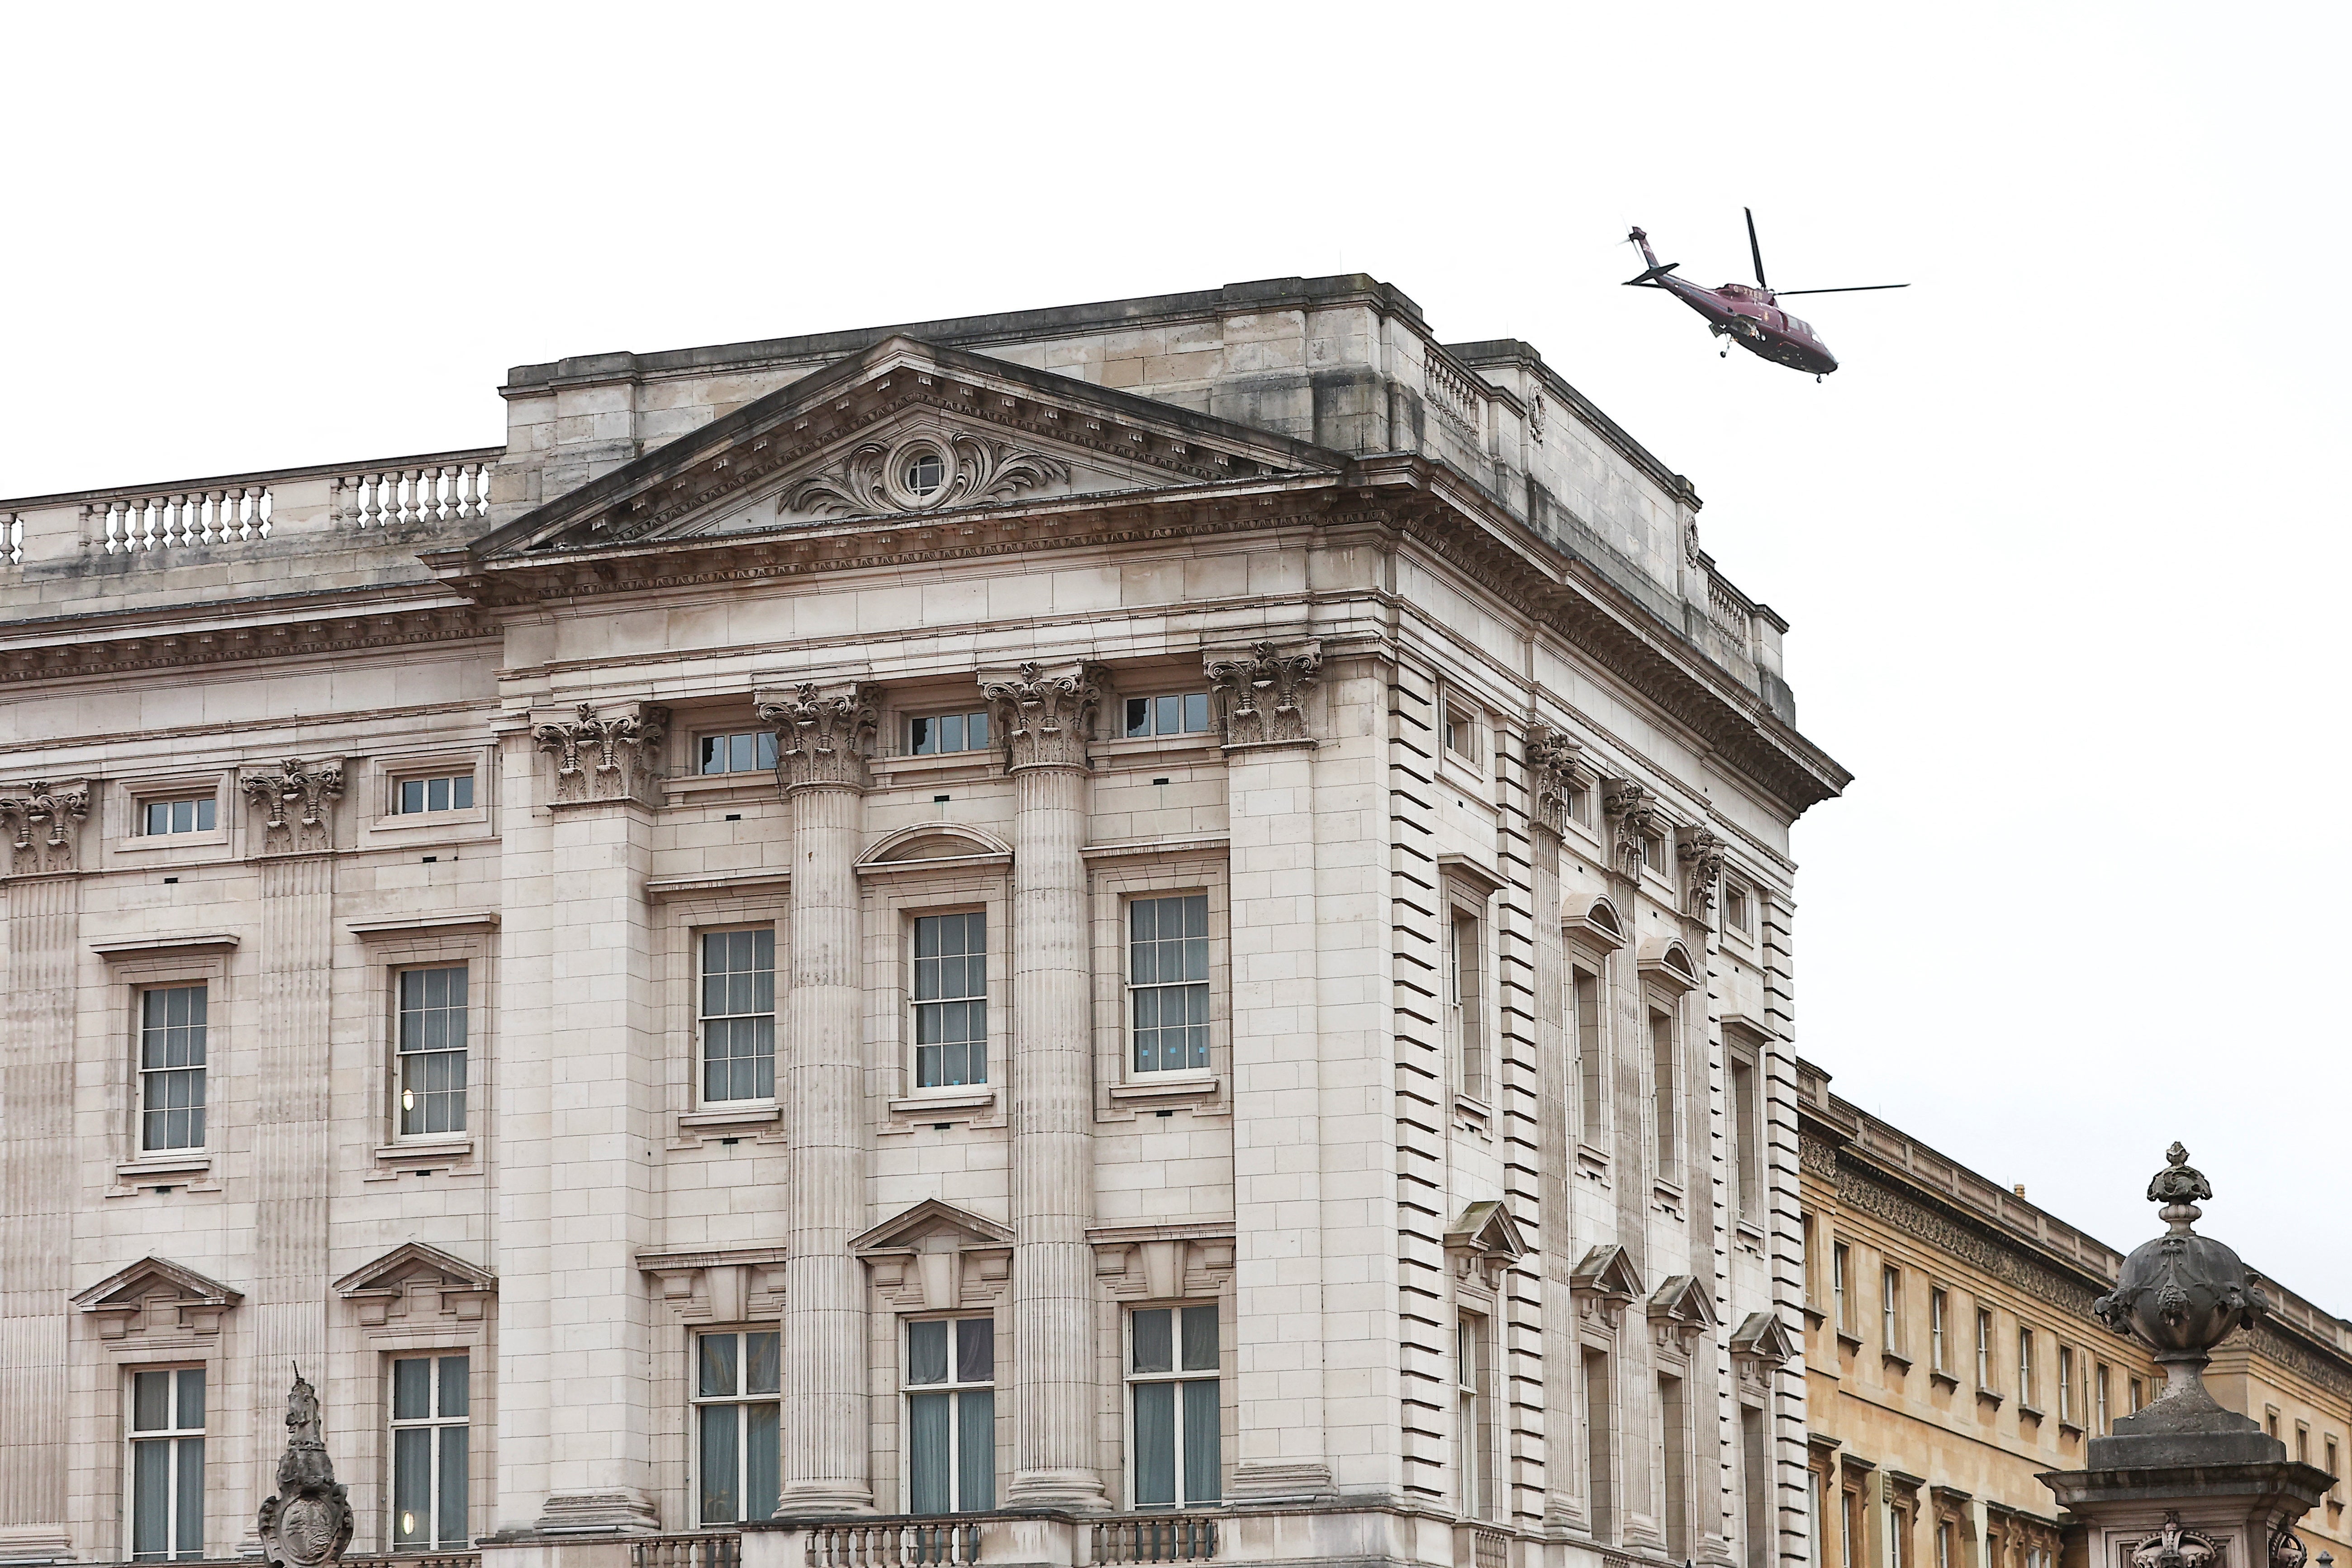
[89, 655]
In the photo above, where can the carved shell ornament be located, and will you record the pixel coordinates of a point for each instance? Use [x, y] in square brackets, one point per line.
[923, 473]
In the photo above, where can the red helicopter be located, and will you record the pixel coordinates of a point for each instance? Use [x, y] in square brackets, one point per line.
[1750, 317]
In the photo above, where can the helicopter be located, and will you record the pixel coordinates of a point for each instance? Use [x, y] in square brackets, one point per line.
[1751, 317]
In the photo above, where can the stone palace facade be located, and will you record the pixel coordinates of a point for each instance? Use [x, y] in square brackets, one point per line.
[1153, 929]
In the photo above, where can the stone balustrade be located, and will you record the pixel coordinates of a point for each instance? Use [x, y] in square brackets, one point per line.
[932, 1540]
[419, 491]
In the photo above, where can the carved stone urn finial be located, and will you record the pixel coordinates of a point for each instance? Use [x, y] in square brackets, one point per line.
[307, 1523]
[2180, 1295]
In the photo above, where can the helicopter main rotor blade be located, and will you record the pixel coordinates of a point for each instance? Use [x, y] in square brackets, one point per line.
[1754, 250]
[1852, 289]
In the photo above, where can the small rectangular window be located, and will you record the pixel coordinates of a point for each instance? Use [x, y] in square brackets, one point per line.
[2066, 1383]
[1890, 1309]
[1984, 1349]
[1939, 1307]
[1591, 1072]
[936, 734]
[952, 1415]
[1461, 734]
[167, 1465]
[2336, 1486]
[738, 1015]
[1738, 909]
[192, 814]
[741, 752]
[1653, 852]
[2102, 1412]
[2025, 1366]
[1944, 1558]
[173, 1047]
[450, 792]
[432, 1051]
[1172, 1366]
[430, 1400]
[735, 1380]
[1465, 1003]
[1168, 981]
[950, 1000]
[2138, 1397]
[1838, 1258]
[1473, 1424]
[2301, 1443]
[1667, 1082]
[1177, 714]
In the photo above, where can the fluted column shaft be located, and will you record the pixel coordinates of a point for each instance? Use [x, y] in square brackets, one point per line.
[1052, 1162]
[826, 1428]
[36, 1203]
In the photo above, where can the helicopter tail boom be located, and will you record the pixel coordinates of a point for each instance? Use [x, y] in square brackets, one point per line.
[1657, 269]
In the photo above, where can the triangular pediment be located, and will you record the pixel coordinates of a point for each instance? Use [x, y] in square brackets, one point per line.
[931, 1218]
[1489, 1228]
[905, 431]
[414, 1263]
[1606, 1272]
[1763, 1337]
[150, 1277]
[1682, 1299]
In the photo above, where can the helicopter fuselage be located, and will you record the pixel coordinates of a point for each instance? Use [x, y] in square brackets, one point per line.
[1753, 318]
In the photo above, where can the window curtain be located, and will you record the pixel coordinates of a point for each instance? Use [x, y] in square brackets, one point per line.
[1155, 1445]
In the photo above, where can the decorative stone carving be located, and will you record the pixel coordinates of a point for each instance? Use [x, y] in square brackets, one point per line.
[923, 472]
[309, 1521]
[1260, 694]
[1045, 719]
[938, 1257]
[1760, 1346]
[2173, 1547]
[1557, 765]
[2180, 1295]
[158, 1301]
[1627, 806]
[605, 759]
[720, 1285]
[2287, 1550]
[1157, 1271]
[296, 804]
[420, 1286]
[1681, 1313]
[44, 822]
[1483, 1243]
[1701, 853]
[1604, 1284]
[822, 741]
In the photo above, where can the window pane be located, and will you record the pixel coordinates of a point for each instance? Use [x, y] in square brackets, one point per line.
[1138, 716]
[926, 1352]
[205, 814]
[150, 1401]
[192, 1399]
[1155, 1444]
[1200, 1339]
[952, 732]
[455, 1397]
[159, 816]
[760, 1364]
[976, 731]
[1204, 1467]
[714, 754]
[764, 754]
[184, 815]
[436, 794]
[452, 1522]
[976, 1350]
[927, 1454]
[1167, 715]
[762, 1462]
[1196, 713]
[412, 1389]
[922, 740]
[738, 752]
[1152, 1333]
[718, 1363]
[722, 1498]
[975, 1451]
[412, 1485]
[150, 1494]
[188, 1537]
[461, 792]
[412, 795]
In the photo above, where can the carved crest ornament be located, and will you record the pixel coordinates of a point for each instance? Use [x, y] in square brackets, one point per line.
[923, 473]
[2173, 1547]
[1260, 694]
[821, 740]
[604, 759]
[42, 818]
[1045, 719]
[308, 1521]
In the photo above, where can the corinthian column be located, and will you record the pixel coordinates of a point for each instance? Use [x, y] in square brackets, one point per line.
[1044, 720]
[821, 744]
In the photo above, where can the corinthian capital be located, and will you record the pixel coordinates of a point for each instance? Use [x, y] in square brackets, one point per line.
[295, 802]
[601, 758]
[821, 740]
[1701, 853]
[1627, 805]
[44, 822]
[1260, 694]
[1045, 719]
[1557, 765]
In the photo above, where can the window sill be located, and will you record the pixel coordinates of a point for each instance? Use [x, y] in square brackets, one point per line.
[1136, 751]
[2071, 1429]
[2027, 1413]
[144, 843]
[411, 821]
[1849, 1339]
[1144, 1091]
[427, 1149]
[686, 786]
[1943, 1380]
[1897, 1359]
[1989, 1397]
[920, 1105]
[1473, 1112]
[1814, 1316]
[189, 1165]
[731, 1116]
[1750, 1229]
[977, 765]
[1591, 1155]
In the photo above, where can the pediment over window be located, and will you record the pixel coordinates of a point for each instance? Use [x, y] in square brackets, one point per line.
[1669, 964]
[1680, 1311]
[904, 431]
[1486, 1240]
[935, 841]
[1599, 926]
[938, 1257]
[1604, 1283]
[1760, 1346]
[417, 1285]
[157, 1297]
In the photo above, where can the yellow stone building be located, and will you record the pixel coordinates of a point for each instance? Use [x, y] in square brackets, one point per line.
[1951, 1357]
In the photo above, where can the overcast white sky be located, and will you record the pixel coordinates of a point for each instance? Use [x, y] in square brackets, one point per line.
[2063, 545]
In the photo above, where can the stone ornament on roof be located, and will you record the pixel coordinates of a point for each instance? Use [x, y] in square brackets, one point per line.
[308, 1521]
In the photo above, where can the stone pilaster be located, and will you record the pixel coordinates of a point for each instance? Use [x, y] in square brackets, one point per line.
[821, 745]
[1044, 721]
[37, 1186]
[1282, 1416]
[1553, 767]
[1626, 807]
[292, 811]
